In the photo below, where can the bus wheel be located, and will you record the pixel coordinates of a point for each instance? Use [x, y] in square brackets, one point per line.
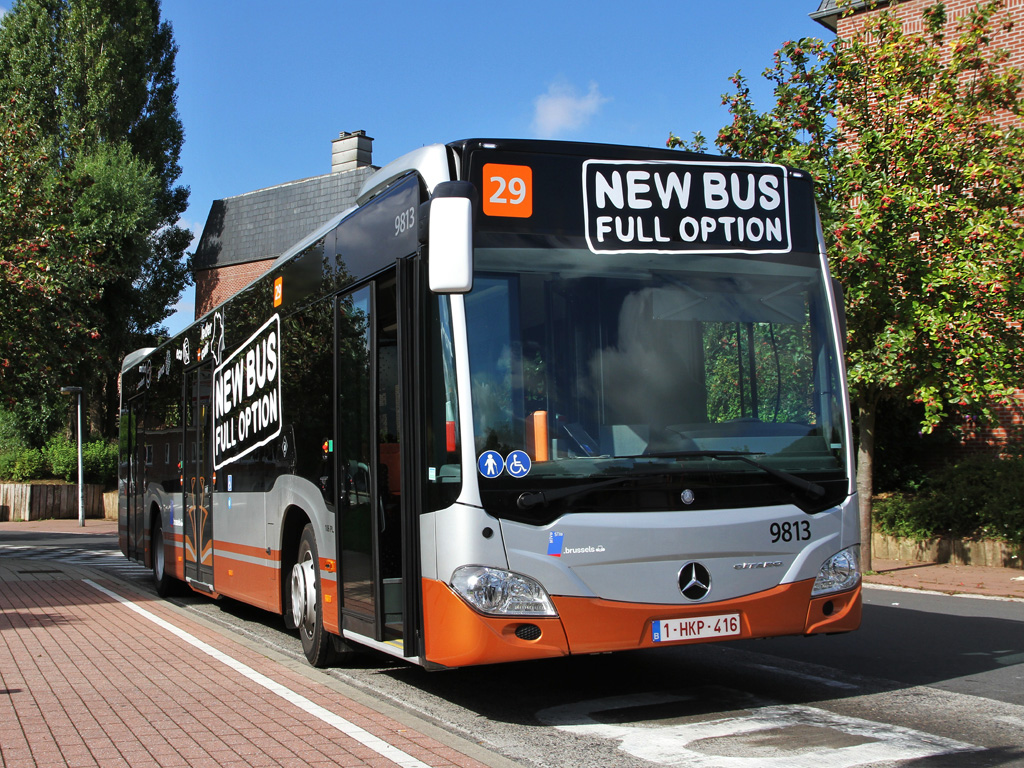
[305, 603]
[163, 582]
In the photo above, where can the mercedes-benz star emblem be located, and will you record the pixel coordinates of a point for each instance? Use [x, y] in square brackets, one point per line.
[694, 581]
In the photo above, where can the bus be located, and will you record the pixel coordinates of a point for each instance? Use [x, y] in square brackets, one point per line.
[524, 399]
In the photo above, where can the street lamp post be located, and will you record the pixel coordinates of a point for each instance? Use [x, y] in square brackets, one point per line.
[77, 391]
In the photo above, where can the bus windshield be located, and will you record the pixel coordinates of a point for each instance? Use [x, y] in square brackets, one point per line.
[653, 367]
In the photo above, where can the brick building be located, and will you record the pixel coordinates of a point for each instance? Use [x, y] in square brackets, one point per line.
[246, 233]
[830, 13]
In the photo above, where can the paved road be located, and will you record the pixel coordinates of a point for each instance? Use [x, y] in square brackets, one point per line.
[930, 680]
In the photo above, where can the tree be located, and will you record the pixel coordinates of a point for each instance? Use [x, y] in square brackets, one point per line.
[97, 78]
[921, 187]
[48, 277]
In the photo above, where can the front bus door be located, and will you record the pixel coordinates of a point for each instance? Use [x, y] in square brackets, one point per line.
[198, 476]
[371, 452]
[133, 452]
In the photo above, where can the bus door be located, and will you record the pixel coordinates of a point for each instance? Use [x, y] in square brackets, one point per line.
[198, 476]
[134, 453]
[371, 452]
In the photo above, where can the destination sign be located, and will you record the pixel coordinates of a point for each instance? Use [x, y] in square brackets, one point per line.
[684, 206]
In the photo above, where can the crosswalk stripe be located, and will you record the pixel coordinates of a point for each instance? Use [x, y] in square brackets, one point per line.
[110, 560]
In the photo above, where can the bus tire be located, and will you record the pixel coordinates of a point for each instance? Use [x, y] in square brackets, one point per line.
[305, 602]
[163, 581]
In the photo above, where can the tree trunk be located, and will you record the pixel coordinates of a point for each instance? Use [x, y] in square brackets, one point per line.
[867, 410]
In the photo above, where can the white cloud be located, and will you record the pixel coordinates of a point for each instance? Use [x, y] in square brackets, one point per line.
[196, 228]
[563, 108]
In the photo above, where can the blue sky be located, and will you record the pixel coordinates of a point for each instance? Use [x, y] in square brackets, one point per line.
[265, 86]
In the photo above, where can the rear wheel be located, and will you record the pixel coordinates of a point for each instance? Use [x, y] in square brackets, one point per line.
[305, 595]
[163, 582]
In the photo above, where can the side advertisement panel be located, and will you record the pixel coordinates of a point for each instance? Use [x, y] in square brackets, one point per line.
[247, 396]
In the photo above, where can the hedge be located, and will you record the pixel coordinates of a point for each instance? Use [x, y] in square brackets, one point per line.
[980, 497]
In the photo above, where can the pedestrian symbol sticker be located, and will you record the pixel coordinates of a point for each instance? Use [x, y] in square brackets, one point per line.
[490, 464]
[518, 464]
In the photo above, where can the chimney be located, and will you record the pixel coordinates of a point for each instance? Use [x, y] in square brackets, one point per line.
[350, 151]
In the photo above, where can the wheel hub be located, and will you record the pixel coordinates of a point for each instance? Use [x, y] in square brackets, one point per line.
[303, 594]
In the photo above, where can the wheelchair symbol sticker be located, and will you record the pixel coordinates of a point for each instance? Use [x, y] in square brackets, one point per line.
[518, 464]
[490, 464]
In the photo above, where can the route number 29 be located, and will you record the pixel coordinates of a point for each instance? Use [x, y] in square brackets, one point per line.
[508, 190]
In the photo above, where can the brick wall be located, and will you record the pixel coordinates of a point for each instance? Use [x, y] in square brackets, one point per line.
[215, 286]
[1010, 425]
[911, 12]
[1007, 431]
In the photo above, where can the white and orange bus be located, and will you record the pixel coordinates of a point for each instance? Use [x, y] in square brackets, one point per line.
[525, 399]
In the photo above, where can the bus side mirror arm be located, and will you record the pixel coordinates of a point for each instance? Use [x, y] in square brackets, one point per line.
[450, 237]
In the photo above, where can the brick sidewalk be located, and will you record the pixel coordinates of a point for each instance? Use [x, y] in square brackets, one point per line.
[949, 578]
[85, 680]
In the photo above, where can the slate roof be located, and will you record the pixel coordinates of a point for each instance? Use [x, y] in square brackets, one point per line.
[263, 224]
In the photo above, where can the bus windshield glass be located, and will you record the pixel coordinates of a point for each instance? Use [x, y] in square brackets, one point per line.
[655, 370]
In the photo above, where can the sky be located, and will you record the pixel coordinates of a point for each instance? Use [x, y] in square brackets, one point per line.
[263, 87]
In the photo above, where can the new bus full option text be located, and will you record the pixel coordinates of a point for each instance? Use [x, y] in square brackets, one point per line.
[247, 396]
[648, 207]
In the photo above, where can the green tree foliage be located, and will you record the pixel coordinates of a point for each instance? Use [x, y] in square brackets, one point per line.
[49, 278]
[96, 79]
[920, 174]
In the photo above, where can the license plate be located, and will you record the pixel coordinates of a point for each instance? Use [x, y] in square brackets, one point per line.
[696, 628]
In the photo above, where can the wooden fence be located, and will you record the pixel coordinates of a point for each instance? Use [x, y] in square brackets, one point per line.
[25, 501]
[996, 554]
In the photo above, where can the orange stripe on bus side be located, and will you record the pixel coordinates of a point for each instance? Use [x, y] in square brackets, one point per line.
[329, 606]
[241, 549]
[456, 635]
[249, 582]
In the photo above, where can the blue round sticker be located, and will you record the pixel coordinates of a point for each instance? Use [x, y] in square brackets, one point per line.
[518, 463]
[490, 464]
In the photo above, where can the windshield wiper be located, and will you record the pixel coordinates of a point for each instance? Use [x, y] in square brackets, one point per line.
[531, 499]
[813, 490]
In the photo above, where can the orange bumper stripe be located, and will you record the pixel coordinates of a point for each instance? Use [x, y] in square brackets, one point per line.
[593, 625]
[458, 636]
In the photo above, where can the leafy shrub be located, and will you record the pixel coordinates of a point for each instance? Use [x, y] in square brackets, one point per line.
[21, 464]
[980, 496]
[8, 459]
[99, 460]
[62, 454]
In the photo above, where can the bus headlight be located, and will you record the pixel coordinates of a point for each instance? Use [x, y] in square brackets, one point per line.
[501, 593]
[839, 572]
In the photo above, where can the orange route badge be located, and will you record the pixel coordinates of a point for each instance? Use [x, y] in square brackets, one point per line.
[508, 190]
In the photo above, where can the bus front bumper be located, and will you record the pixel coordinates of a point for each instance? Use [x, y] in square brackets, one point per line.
[456, 635]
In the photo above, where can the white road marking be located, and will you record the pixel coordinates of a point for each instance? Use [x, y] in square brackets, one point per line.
[971, 595]
[804, 676]
[755, 739]
[361, 735]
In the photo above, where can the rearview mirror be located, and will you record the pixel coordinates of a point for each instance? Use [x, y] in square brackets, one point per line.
[450, 238]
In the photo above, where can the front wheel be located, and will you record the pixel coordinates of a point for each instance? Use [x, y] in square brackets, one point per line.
[305, 602]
